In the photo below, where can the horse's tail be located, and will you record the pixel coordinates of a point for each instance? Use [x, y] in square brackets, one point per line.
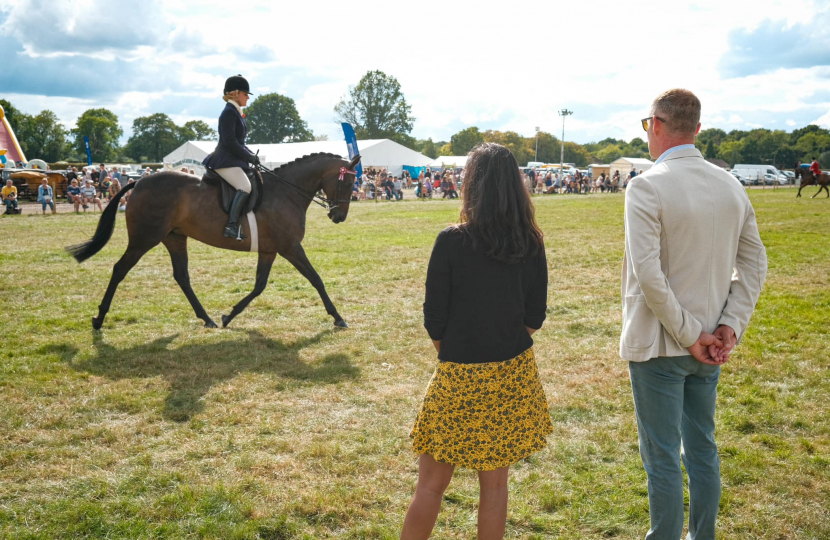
[103, 233]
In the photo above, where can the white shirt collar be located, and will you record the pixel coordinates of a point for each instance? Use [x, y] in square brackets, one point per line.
[235, 104]
[666, 154]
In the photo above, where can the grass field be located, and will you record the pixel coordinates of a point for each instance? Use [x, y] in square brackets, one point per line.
[280, 427]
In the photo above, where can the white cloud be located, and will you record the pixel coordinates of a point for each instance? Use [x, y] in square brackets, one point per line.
[459, 63]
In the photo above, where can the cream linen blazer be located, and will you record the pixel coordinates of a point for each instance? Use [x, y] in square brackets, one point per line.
[693, 257]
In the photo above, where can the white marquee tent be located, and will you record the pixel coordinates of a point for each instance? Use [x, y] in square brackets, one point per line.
[377, 153]
[455, 161]
[625, 164]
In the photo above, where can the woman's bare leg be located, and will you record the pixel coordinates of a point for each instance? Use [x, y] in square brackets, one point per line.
[433, 479]
[492, 504]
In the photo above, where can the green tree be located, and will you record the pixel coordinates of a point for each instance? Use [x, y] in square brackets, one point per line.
[610, 153]
[15, 117]
[577, 154]
[549, 147]
[464, 141]
[44, 136]
[101, 126]
[153, 137]
[787, 157]
[794, 136]
[196, 130]
[512, 141]
[812, 145]
[445, 150]
[273, 118]
[710, 151]
[428, 148]
[376, 107]
[731, 152]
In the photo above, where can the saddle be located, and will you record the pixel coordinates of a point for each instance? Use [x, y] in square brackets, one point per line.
[227, 192]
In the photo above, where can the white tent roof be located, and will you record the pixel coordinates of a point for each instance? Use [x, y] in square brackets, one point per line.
[458, 161]
[625, 163]
[374, 153]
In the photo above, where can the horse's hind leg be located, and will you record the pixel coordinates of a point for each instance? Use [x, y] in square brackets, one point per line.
[298, 259]
[263, 269]
[119, 272]
[176, 244]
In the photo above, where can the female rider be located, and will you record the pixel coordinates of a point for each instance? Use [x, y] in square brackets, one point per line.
[232, 158]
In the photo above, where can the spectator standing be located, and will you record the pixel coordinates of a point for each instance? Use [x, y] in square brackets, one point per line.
[486, 292]
[692, 273]
[116, 175]
[45, 196]
[9, 194]
[73, 194]
[71, 174]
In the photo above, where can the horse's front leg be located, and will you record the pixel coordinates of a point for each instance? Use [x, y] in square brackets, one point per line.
[263, 270]
[298, 259]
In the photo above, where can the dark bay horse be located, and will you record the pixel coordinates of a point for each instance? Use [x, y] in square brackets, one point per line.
[808, 178]
[169, 207]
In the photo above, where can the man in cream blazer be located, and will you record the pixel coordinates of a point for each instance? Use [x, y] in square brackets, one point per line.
[693, 270]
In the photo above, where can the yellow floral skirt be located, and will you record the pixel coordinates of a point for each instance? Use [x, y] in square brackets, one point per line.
[483, 416]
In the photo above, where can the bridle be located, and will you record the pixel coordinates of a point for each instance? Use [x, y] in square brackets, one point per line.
[328, 204]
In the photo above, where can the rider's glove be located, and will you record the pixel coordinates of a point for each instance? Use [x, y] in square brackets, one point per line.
[255, 159]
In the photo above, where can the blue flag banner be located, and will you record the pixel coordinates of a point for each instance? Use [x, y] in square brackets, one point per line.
[88, 155]
[351, 144]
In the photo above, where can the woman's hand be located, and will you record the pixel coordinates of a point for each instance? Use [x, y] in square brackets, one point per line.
[530, 330]
[437, 345]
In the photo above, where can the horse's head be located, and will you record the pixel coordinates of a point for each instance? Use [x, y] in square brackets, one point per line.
[337, 185]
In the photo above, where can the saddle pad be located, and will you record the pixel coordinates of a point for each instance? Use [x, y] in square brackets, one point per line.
[227, 192]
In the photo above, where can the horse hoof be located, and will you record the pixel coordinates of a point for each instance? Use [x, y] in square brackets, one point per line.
[341, 324]
[225, 321]
[97, 323]
[210, 324]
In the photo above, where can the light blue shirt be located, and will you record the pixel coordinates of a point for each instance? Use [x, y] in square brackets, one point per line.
[666, 154]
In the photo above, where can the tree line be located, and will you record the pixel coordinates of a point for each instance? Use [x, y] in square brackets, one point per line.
[270, 118]
[377, 109]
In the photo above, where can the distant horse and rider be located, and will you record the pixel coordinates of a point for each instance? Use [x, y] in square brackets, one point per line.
[193, 208]
[809, 178]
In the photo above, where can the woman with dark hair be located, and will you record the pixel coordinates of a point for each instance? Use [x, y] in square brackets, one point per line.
[486, 293]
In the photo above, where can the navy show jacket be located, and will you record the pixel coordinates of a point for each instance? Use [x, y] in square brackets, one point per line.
[231, 150]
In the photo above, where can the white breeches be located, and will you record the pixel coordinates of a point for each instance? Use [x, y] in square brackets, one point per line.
[236, 177]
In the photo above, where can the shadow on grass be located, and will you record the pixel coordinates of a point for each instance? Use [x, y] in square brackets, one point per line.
[192, 369]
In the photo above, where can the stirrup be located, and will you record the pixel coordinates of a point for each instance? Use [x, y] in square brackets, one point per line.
[234, 231]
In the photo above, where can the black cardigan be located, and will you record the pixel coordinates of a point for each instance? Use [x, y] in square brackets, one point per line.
[479, 307]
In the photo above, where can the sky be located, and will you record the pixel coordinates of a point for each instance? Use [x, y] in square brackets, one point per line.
[503, 66]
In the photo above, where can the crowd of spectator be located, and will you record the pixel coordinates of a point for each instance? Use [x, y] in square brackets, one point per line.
[550, 182]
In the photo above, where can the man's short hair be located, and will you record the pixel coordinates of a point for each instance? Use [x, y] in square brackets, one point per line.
[680, 109]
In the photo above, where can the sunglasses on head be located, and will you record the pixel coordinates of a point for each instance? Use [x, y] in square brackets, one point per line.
[645, 121]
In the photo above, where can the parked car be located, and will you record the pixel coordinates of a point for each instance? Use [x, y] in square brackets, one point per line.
[742, 179]
[772, 179]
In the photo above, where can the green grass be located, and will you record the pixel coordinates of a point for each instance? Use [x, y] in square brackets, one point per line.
[281, 427]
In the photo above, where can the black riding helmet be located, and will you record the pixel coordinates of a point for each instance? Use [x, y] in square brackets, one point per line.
[237, 82]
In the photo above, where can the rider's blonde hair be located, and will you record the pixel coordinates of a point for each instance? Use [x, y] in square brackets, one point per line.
[232, 95]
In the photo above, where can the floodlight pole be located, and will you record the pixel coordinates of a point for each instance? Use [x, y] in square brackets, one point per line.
[563, 113]
[536, 156]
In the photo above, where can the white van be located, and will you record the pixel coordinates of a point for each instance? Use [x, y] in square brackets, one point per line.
[758, 171]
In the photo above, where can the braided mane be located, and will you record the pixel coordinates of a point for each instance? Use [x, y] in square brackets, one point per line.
[307, 158]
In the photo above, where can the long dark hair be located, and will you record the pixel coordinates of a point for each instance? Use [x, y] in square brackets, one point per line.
[496, 212]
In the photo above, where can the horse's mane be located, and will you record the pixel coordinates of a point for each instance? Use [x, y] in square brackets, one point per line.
[305, 159]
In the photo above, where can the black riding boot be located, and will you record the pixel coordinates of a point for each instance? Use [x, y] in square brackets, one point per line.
[232, 229]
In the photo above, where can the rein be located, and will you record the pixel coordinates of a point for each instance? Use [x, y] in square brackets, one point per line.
[329, 204]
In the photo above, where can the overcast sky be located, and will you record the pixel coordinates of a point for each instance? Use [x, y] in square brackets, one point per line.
[496, 65]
